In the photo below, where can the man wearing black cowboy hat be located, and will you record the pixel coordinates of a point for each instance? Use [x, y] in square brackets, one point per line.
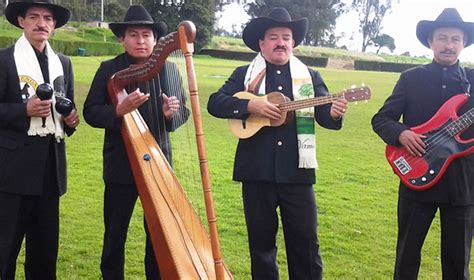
[32, 132]
[417, 96]
[138, 33]
[277, 165]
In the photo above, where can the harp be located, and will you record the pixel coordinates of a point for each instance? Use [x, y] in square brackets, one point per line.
[183, 247]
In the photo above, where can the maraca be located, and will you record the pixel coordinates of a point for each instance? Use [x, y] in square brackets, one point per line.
[44, 92]
[64, 106]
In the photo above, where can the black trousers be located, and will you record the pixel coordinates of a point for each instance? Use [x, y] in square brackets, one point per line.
[299, 219]
[119, 202]
[35, 218]
[414, 221]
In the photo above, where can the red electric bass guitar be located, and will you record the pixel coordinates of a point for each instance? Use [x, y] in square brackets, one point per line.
[443, 144]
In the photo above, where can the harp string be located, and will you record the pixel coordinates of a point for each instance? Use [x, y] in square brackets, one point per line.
[185, 160]
[185, 157]
[156, 104]
[152, 110]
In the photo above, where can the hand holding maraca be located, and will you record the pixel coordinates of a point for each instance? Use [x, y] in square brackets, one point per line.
[40, 105]
[66, 108]
[72, 120]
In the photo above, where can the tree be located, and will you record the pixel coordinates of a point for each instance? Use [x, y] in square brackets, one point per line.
[114, 12]
[82, 10]
[203, 16]
[200, 12]
[384, 40]
[321, 14]
[371, 14]
[90, 10]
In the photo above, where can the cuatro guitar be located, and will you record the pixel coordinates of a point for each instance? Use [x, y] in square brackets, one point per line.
[443, 144]
[248, 127]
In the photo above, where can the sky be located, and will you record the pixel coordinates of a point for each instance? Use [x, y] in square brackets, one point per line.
[400, 24]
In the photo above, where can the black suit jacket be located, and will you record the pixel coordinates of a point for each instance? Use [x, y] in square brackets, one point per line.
[417, 96]
[99, 112]
[271, 155]
[22, 157]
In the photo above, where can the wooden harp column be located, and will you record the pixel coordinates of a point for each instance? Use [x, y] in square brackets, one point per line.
[182, 246]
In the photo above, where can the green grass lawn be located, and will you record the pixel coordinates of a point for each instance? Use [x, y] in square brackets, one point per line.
[356, 191]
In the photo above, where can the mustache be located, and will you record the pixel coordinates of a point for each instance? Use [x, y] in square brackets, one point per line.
[448, 52]
[40, 29]
[279, 48]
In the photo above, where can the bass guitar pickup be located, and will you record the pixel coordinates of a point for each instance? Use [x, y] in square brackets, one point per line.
[402, 165]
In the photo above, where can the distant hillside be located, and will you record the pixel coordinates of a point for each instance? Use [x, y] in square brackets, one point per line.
[236, 44]
[72, 39]
[75, 32]
[70, 32]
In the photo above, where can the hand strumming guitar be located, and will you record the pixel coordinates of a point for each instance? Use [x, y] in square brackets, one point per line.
[264, 109]
[413, 142]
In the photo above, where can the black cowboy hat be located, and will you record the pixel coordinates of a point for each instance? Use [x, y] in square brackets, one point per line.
[137, 15]
[14, 9]
[448, 18]
[278, 17]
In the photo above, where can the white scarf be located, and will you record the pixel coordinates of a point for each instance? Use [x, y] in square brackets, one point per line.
[29, 72]
[302, 89]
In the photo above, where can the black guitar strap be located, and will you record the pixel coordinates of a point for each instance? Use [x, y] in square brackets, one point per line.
[465, 84]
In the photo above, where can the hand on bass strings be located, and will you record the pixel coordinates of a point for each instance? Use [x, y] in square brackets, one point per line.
[131, 102]
[170, 106]
[264, 109]
[412, 142]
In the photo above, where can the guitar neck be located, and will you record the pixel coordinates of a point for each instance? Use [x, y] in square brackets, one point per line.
[306, 103]
[461, 123]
